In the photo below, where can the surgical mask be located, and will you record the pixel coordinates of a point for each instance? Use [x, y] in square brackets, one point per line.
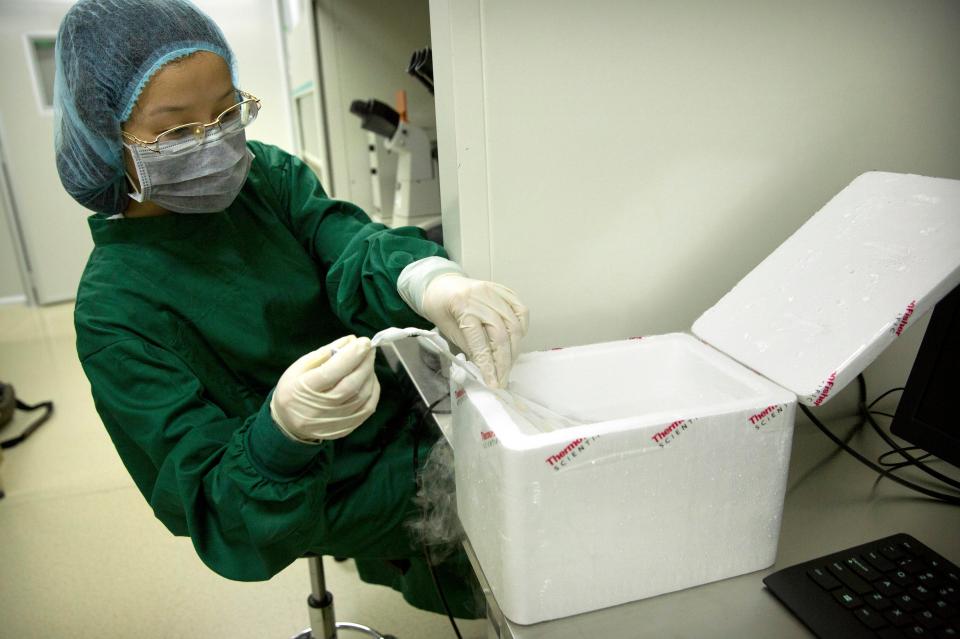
[202, 179]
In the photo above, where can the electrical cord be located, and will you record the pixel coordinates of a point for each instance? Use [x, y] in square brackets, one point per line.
[863, 422]
[918, 462]
[880, 459]
[877, 400]
[894, 447]
[901, 450]
[951, 499]
[421, 423]
[945, 497]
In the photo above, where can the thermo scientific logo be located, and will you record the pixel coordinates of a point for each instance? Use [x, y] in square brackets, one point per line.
[571, 451]
[488, 439]
[902, 320]
[764, 417]
[824, 391]
[671, 432]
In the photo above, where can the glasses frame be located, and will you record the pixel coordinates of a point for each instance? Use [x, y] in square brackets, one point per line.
[247, 98]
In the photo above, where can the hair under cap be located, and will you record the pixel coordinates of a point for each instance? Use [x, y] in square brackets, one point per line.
[106, 53]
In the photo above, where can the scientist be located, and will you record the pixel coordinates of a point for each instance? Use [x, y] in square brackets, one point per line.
[222, 282]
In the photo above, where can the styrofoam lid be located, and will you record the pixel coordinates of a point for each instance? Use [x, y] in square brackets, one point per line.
[837, 292]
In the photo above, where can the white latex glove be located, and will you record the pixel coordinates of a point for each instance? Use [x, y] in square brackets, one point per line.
[327, 393]
[486, 320]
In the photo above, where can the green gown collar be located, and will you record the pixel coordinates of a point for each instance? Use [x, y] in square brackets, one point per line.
[144, 230]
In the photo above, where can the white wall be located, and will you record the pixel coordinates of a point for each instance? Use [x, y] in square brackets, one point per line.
[253, 30]
[623, 164]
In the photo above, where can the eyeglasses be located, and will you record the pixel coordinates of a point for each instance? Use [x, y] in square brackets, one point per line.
[191, 135]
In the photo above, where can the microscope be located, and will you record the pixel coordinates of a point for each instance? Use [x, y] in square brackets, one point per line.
[403, 158]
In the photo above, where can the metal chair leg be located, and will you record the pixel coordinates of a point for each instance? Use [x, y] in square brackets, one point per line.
[322, 616]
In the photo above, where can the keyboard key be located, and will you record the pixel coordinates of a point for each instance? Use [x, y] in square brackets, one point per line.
[928, 620]
[862, 569]
[898, 617]
[824, 579]
[922, 593]
[911, 566]
[878, 561]
[887, 588]
[847, 598]
[916, 631]
[908, 548]
[908, 603]
[928, 579]
[877, 601]
[848, 579]
[950, 594]
[948, 633]
[953, 577]
[870, 618]
[901, 578]
[942, 609]
[891, 552]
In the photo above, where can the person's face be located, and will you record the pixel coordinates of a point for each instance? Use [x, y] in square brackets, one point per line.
[197, 88]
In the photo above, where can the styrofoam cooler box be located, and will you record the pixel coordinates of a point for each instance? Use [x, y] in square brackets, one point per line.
[676, 475]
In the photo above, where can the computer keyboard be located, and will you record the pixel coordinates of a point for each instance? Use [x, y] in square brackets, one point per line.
[890, 588]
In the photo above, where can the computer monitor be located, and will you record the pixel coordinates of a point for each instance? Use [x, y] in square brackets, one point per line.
[928, 415]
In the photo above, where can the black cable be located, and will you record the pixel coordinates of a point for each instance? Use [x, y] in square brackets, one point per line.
[894, 467]
[904, 464]
[950, 499]
[436, 584]
[906, 455]
[894, 452]
[892, 390]
[863, 422]
[846, 440]
[903, 451]
[421, 423]
[917, 462]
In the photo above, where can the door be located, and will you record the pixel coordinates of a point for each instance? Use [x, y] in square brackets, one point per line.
[303, 66]
[53, 228]
[13, 286]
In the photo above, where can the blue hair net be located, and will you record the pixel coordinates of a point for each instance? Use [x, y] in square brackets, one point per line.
[106, 53]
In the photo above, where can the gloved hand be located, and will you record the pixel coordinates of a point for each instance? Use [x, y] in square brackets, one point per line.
[327, 393]
[486, 320]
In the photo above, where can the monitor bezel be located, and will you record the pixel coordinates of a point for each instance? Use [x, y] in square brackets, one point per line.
[906, 423]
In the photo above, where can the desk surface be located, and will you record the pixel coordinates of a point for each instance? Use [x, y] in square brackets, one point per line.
[831, 504]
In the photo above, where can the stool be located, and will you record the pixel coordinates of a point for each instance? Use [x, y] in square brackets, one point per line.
[322, 618]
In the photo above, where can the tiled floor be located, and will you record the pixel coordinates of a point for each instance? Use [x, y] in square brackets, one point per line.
[81, 554]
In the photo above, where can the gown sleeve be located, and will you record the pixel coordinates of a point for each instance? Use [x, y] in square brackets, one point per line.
[362, 259]
[250, 498]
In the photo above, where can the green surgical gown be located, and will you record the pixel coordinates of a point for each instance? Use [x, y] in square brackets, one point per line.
[184, 325]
